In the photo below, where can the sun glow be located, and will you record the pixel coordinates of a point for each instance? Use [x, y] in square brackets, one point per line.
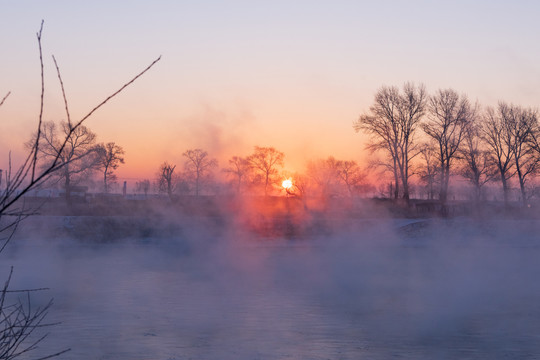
[287, 184]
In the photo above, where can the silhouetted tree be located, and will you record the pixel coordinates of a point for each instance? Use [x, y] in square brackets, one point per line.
[392, 123]
[448, 117]
[350, 174]
[76, 158]
[521, 125]
[143, 186]
[109, 157]
[534, 139]
[266, 162]
[20, 320]
[428, 168]
[166, 179]
[495, 132]
[300, 184]
[324, 174]
[476, 163]
[381, 167]
[198, 167]
[239, 168]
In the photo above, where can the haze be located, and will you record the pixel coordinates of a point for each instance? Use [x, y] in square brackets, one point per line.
[226, 205]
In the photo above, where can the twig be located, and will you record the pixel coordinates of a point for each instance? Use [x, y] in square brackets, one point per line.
[21, 174]
[41, 101]
[4, 98]
[16, 225]
[26, 290]
[63, 91]
[117, 92]
[55, 355]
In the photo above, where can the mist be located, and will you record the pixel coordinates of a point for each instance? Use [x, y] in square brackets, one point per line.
[395, 229]
[220, 285]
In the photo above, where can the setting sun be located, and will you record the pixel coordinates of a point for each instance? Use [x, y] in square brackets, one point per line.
[287, 184]
[141, 165]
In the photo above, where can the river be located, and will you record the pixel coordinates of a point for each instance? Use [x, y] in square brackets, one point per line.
[373, 293]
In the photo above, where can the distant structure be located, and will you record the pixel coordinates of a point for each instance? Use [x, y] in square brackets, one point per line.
[124, 189]
[76, 191]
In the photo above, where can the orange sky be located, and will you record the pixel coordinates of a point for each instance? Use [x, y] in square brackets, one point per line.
[290, 75]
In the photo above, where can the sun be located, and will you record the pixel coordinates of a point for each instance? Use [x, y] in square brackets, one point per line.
[287, 184]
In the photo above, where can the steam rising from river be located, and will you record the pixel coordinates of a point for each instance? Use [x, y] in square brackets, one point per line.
[365, 289]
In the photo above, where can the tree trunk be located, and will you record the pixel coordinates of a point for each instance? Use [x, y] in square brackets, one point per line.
[477, 189]
[266, 186]
[442, 189]
[169, 188]
[521, 185]
[67, 186]
[105, 187]
[404, 180]
[406, 193]
[523, 191]
[505, 190]
[396, 181]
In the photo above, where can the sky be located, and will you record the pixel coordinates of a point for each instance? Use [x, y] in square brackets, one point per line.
[294, 75]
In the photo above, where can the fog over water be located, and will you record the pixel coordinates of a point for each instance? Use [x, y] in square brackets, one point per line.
[379, 289]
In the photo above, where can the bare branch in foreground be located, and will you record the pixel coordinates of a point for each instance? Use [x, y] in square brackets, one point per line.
[19, 319]
[4, 98]
[63, 91]
[30, 163]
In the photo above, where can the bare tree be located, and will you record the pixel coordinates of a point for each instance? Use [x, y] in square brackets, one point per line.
[28, 175]
[143, 186]
[108, 158]
[239, 168]
[332, 177]
[19, 320]
[511, 132]
[198, 167]
[428, 170]
[392, 123]
[383, 167]
[76, 158]
[266, 162]
[166, 179]
[324, 174]
[521, 124]
[499, 140]
[300, 185]
[534, 139]
[351, 175]
[449, 115]
[476, 163]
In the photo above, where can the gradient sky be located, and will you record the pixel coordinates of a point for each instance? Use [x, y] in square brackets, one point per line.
[234, 74]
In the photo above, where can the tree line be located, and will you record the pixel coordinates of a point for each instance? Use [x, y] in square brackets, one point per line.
[418, 139]
[444, 134]
[81, 157]
[77, 155]
[261, 173]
